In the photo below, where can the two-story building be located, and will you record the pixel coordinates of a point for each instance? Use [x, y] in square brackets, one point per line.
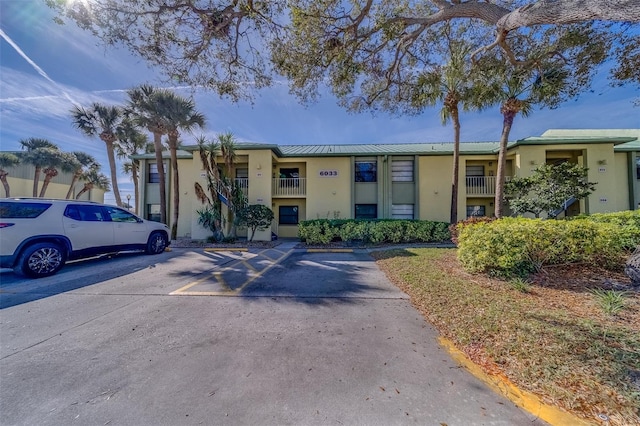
[409, 181]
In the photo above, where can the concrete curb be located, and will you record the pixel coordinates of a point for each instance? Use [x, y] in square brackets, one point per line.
[523, 399]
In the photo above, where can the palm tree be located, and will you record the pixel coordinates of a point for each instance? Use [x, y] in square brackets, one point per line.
[93, 179]
[517, 91]
[131, 142]
[182, 115]
[85, 161]
[234, 193]
[60, 160]
[219, 182]
[147, 108]
[38, 152]
[451, 84]
[102, 121]
[7, 160]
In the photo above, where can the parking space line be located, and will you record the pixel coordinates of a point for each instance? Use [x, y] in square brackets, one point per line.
[227, 290]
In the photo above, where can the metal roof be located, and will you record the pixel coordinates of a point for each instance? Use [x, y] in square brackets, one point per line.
[386, 149]
[621, 143]
[180, 154]
[629, 146]
[573, 140]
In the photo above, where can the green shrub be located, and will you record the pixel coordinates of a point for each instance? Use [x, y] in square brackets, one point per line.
[323, 231]
[628, 222]
[453, 228]
[519, 246]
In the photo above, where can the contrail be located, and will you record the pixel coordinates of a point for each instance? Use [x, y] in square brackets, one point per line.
[35, 66]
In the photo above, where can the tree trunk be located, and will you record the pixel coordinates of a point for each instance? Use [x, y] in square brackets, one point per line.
[86, 188]
[502, 164]
[112, 169]
[5, 183]
[632, 267]
[568, 12]
[173, 143]
[157, 143]
[36, 180]
[73, 182]
[455, 117]
[49, 173]
[45, 184]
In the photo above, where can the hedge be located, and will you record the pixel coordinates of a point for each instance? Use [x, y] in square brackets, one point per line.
[324, 231]
[519, 246]
[628, 221]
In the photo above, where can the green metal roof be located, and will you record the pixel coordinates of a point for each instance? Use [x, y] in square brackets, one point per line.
[572, 140]
[621, 143]
[445, 148]
[239, 146]
[629, 146]
[181, 155]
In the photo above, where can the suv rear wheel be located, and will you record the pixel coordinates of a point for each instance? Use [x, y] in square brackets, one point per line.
[40, 260]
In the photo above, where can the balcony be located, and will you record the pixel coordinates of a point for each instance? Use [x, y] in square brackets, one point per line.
[482, 186]
[289, 187]
[243, 184]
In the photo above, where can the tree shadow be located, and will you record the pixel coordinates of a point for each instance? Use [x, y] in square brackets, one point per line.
[16, 290]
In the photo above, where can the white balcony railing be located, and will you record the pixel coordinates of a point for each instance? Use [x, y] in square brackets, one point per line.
[243, 183]
[482, 185]
[289, 187]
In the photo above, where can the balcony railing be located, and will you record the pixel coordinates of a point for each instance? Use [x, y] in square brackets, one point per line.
[289, 187]
[482, 185]
[243, 183]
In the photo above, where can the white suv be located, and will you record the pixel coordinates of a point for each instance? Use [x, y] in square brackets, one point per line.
[37, 236]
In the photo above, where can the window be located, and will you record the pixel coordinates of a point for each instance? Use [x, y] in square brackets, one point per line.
[475, 175]
[366, 211]
[242, 173]
[475, 171]
[288, 215]
[153, 212]
[476, 211]
[153, 177]
[289, 173]
[289, 178]
[89, 213]
[9, 210]
[402, 171]
[402, 211]
[119, 215]
[366, 171]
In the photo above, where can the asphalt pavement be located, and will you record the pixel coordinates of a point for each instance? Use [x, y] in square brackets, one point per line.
[272, 337]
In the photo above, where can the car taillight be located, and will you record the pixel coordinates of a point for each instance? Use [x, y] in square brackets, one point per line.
[5, 225]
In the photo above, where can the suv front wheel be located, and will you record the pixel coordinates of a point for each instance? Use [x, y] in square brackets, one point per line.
[157, 243]
[40, 260]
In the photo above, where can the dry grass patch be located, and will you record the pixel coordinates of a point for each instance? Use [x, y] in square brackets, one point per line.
[552, 338]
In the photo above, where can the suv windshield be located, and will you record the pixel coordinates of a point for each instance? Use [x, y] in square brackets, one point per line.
[9, 210]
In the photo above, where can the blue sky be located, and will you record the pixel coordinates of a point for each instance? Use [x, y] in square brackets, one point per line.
[59, 65]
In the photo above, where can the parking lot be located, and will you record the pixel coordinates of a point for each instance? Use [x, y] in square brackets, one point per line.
[274, 336]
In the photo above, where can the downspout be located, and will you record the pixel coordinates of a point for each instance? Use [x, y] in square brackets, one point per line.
[386, 189]
[634, 203]
[352, 178]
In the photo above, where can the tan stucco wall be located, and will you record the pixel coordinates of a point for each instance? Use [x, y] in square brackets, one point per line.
[328, 196]
[620, 171]
[24, 188]
[599, 159]
[288, 231]
[435, 189]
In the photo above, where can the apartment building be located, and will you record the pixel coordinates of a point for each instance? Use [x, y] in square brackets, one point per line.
[20, 181]
[408, 181]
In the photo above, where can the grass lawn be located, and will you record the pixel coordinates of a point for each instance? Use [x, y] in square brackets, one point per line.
[551, 337]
